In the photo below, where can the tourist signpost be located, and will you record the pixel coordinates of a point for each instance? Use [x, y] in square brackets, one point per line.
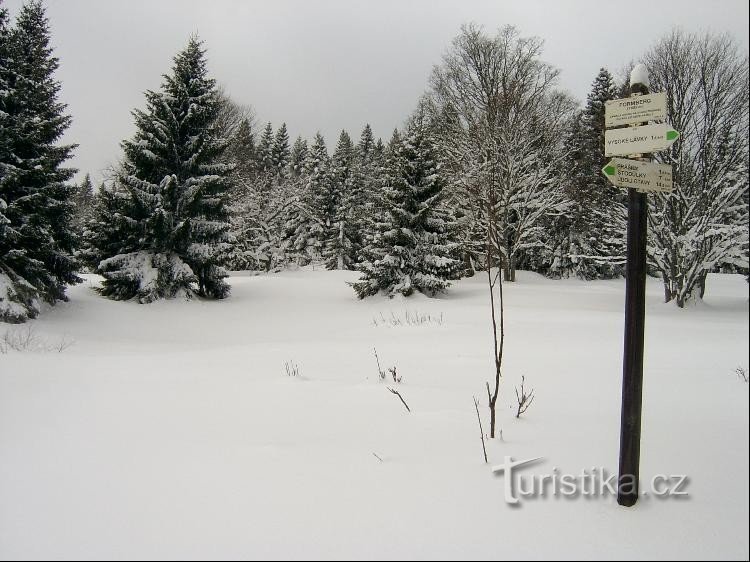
[636, 174]
[639, 175]
[639, 109]
[638, 140]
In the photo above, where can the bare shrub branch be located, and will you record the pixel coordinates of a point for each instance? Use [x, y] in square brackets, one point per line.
[523, 398]
[383, 373]
[397, 393]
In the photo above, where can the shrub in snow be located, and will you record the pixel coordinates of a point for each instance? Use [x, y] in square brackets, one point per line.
[27, 340]
[413, 247]
[383, 373]
[524, 398]
[163, 227]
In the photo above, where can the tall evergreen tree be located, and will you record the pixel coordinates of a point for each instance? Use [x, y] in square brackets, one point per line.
[36, 238]
[241, 150]
[595, 247]
[5, 79]
[264, 153]
[374, 207]
[367, 177]
[311, 212]
[280, 151]
[83, 205]
[172, 193]
[320, 197]
[340, 237]
[413, 249]
[297, 157]
[379, 149]
[366, 144]
[241, 154]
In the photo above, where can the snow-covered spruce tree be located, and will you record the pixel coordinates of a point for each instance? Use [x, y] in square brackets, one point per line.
[241, 154]
[115, 226]
[413, 250]
[269, 202]
[297, 157]
[312, 212]
[280, 151]
[260, 204]
[83, 205]
[241, 150]
[36, 238]
[342, 236]
[366, 144]
[702, 225]
[170, 201]
[264, 152]
[596, 221]
[368, 169]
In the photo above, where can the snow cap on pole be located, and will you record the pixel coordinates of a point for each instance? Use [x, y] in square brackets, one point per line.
[639, 75]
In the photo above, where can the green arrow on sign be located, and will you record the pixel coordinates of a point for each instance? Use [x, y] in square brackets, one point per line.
[672, 135]
[610, 170]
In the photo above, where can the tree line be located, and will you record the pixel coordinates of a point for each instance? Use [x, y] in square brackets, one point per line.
[201, 188]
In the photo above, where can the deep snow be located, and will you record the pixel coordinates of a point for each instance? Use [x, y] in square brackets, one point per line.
[171, 430]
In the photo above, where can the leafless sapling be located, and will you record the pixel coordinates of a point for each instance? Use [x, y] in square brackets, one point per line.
[497, 310]
[523, 398]
[481, 430]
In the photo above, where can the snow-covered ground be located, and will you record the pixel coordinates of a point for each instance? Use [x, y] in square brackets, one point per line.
[172, 430]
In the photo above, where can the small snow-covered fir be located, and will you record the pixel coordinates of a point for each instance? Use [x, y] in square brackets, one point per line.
[412, 249]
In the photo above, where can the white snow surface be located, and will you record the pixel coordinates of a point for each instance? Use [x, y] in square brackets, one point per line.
[171, 430]
[639, 75]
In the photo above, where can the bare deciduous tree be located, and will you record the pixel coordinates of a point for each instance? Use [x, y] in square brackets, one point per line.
[501, 120]
[703, 224]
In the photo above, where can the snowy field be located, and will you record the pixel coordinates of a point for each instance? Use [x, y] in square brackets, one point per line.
[173, 431]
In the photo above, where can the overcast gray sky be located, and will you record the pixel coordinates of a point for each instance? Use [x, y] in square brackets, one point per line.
[330, 64]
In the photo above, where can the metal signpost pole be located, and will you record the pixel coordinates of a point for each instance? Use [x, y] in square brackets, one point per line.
[639, 175]
[635, 316]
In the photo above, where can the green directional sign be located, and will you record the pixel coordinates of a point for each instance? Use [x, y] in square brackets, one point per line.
[635, 174]
[638, 140]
